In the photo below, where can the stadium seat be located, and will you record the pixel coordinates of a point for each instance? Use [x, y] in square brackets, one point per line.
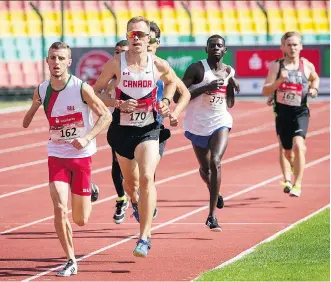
[5, 28]
[97, 41]
[82, 41]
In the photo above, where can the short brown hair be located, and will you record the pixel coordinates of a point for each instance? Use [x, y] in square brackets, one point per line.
[290, 34]
[60, 45]
[137, 20]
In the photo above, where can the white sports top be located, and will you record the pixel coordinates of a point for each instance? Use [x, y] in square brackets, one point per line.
[69, 118]
[206, 113]
[140, 86]
[137, 84]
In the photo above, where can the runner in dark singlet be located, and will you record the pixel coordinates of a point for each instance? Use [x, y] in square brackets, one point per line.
[288, 80]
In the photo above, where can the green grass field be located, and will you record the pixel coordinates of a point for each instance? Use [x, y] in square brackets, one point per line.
[301, 254]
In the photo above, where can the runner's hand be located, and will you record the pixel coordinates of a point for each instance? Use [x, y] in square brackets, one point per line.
[312, 92]
[79, 143]
[214, 85]
[173, 117]
[270, 100]
[163, 109]
[128, 106]
[234, 82]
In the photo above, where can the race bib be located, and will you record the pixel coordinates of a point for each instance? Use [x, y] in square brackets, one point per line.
[289, 94]
[216, 100]
[142, 116]
[63, 129]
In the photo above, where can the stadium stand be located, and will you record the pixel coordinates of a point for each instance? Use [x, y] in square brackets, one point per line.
[90, 24]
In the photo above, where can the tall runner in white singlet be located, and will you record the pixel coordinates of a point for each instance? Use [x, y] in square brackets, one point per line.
[68, 103]
[207, 122]
[134, 133]
[290, 80]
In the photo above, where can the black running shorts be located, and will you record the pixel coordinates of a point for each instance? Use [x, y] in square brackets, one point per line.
[125, 139]
[287, 128]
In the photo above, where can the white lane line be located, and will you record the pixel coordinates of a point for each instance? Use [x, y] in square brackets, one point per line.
[271, 238]
[261, 184]
[238, 157]
[22, 133]
[172, 151]
[236, 134]
[157, 223]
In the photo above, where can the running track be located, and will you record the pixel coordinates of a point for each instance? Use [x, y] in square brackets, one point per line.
[255, 206]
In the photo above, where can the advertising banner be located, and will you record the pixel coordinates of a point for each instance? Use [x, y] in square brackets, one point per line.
[326, 62]
[179, 59]
[254, 63]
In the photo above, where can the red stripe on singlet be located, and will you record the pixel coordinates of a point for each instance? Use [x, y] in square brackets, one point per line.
[51, 103]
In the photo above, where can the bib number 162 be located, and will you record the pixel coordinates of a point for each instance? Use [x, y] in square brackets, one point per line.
[69, 132]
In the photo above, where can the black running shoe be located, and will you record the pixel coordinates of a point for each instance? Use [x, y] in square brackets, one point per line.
[212, 223]
[121, 207]
[220, 202]
[94, 192]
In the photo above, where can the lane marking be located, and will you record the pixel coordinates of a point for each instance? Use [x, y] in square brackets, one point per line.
[261, 184]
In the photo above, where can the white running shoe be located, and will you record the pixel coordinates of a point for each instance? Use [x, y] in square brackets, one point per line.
[70, 269]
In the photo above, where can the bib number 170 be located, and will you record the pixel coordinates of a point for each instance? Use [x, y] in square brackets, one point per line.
[137, 116]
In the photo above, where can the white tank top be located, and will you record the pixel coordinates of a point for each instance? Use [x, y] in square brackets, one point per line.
[69, 118]
[206, 113]
[137, 84]
[140, 86]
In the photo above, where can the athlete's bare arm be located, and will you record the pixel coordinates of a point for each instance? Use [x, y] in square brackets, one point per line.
[36, 102]
[313, 79]
[113, 68]
[106, 96]
[185, 95]
[169, 80]
[99, 108]
[271, 83]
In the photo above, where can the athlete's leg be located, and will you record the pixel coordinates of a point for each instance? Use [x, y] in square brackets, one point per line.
[217, 144]
[59, 179]
[203, 157]
[117, 176]
[284, 162]
[147, 157]
[130, 173]
[299, 149]
[59, 193]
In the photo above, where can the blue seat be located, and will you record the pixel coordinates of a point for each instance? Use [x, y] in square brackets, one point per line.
[97, 41]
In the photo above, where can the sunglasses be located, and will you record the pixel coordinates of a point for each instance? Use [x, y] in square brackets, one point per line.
[154, 40]
[139, 34]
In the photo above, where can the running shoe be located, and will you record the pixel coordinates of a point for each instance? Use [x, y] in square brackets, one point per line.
[287, 186]
[94, 192]
[220, 202]
[70, 269]
[135, 211]
[121, 207]
[141, 249]
[212, 223]
[295, 191]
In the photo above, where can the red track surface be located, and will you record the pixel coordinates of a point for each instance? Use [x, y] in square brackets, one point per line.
[182, 248]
